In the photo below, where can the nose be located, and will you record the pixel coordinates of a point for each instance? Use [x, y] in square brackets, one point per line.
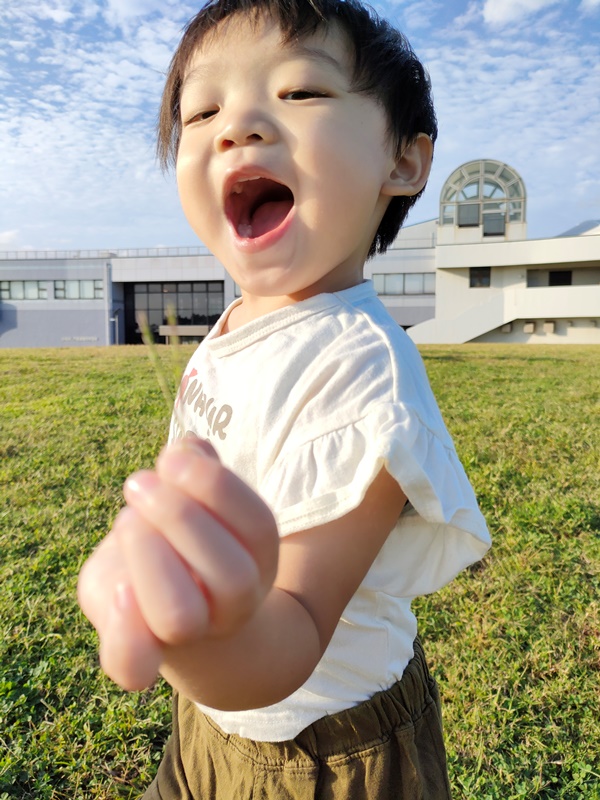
[245, 128]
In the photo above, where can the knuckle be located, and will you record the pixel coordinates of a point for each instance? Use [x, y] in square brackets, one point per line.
[237, 600]
[177, 624]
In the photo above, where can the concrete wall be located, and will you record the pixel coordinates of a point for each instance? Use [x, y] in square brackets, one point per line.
[578, 305]
[52, 322]
[413, 251]
[42, 323]
[576, 331]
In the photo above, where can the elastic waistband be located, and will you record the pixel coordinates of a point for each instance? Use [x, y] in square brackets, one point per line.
[352, 730]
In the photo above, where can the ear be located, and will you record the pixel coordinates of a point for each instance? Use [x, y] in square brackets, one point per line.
[411, 169]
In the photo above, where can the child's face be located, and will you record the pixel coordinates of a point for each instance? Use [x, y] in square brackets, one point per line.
[283, 171]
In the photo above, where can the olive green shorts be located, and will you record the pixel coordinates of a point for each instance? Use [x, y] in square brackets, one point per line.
[387, 748]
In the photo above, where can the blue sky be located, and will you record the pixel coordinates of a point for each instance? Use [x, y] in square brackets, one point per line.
[80, 82]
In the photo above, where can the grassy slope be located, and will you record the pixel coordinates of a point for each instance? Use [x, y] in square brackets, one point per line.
[515, 642]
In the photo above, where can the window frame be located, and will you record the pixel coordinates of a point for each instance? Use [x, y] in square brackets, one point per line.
[480, 277]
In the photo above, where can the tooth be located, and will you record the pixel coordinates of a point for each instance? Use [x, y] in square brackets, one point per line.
[237, 188]
[245, 230]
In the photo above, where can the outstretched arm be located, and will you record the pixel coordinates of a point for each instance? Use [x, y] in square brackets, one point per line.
[188, 583]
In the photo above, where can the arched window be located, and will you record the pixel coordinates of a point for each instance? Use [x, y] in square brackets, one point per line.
[487, 193]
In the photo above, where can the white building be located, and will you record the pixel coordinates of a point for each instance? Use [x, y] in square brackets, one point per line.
[492, 284]
[469, 276]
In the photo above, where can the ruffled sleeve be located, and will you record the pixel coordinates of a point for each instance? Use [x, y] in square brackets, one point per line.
[439, 533]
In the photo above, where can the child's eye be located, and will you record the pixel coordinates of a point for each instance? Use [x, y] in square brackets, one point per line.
[201, 116]
[303, 94]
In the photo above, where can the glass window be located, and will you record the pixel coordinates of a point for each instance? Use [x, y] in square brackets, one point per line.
[413, 283]
[492, 189]
[17, 290]
[75, 290]
[429, 283]
[140, 288]
[141, 302]
[155, 318]
[448, 215]
[515, 190]
[482, 180]
[86, 290]
[23, 290]
[184, 300]
[394, 284]
[480, 277]
[470, 191]
[200, 304]
[468, 215]
[170, 310]
[215, 307]
[155, 301]
[560, 277]
[184, 308]
[179, 303]
[474, 168]
[379, 283]
[516, 211]
[494, 224]
[72, 290]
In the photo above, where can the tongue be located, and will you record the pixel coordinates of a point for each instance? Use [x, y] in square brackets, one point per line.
[267, 217]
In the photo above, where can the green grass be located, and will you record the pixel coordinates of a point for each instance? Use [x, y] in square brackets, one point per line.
[514, 642]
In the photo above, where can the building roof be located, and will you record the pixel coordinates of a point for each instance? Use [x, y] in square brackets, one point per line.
[582, 228]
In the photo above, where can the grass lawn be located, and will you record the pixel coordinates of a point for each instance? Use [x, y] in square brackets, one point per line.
[514, 642]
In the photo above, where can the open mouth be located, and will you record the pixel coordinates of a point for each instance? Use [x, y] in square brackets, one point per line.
[256, 206]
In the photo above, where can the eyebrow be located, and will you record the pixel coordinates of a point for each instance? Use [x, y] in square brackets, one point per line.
[316, 54]
[202, 71]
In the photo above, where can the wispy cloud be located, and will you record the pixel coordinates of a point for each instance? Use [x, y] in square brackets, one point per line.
[80, 83]
[502, 12]
[8, 238]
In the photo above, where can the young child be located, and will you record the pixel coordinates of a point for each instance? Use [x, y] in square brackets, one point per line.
[266, 567]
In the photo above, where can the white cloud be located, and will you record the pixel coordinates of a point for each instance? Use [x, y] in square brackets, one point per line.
[8, 237]
[502, 12]
[57, 15]
[589, 6]
[77, 121]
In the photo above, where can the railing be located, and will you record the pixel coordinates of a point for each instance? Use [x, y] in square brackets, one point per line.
[149, 252]
[145, 252]
[414, 244]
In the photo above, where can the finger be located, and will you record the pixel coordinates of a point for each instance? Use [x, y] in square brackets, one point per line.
[129, 653]
[189, 465]
[225, 569]
[169, 598]
[98, 579]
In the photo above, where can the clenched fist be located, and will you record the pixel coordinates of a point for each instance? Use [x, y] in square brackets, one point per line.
[192, 555]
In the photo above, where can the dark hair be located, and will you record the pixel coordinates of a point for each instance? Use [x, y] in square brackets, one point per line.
[385, 68]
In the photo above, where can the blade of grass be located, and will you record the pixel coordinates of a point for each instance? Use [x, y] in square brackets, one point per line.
[158, 365]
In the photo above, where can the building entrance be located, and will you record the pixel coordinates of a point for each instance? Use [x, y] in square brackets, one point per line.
[200, 303]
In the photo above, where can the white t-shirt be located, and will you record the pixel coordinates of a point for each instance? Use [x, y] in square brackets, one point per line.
[307, 404]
